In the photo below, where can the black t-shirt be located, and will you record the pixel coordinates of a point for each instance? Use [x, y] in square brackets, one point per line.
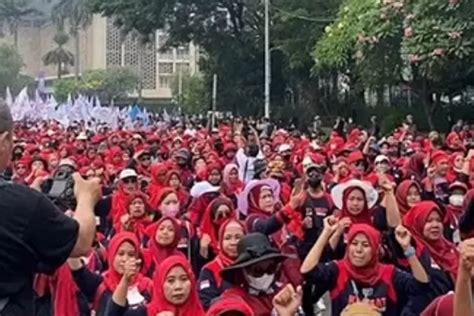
[315, 209]
[33, 233]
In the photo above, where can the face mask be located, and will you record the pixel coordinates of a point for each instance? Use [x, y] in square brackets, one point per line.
[262, 283]
[315, 181]
[456, 200]
[170, 210]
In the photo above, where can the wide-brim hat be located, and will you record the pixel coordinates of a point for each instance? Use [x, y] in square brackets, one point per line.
[242, 201]
[252, 249]
[371, 194]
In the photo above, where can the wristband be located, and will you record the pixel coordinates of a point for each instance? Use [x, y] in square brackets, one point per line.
[410, 252]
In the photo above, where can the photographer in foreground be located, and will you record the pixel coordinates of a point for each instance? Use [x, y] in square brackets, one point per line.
[33, 232]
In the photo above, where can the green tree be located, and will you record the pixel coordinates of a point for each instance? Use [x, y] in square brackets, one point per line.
[65, 87]
[194, 97]
[10, 66]
[110, 84]
[12, 13]
[79, 15]
[59, 56]
[427, 45]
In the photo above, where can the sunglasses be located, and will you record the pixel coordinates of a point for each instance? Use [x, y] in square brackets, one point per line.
[129, 180]
[145, 158]
[260, 269]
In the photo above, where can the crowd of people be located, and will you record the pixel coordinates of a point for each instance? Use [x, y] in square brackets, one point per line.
[249, 219]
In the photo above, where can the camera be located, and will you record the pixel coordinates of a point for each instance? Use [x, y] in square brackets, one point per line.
[60, 188]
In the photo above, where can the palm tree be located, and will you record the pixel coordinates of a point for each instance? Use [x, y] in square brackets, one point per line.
[79, 15]
[12, 13]
[59, 56]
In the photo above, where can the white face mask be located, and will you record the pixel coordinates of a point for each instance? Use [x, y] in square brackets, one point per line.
[262, 283]
[456, 200]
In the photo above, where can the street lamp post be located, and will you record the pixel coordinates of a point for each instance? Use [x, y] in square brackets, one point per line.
[268, 75]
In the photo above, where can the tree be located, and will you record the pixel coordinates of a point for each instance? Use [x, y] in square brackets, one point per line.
[79, 16]
[59, 56]
[195, 96]
[12, 13]
[10, 66]
[426, 45]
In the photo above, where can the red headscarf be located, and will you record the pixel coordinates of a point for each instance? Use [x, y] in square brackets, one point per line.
[364, 217]
[374, 271]
[159, 303]
[207, 224]
[183, 195]
[254, 198]
[119, 203]
[402, 194]
[111, 276]
[443, 252]
[159, 196]
[138, 225]
[222, 260]
[158, 252]
[157, 184]
[230, 304]
[115, 152]
[415, 167]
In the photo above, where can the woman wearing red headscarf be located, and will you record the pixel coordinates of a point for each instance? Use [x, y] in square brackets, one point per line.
[114, 161]
[128, 185]
[158, 182]
[229, 305]
[122, 257]
[169, 207]
[408, 194]
[164, 237]
[174, 290]
[211, 284]
[219, 211]
[137, 218]
[231, 182]
[173, 180]
[415, 169]
[360, 280]
[357, 204]
[425, 221]
[456, 163]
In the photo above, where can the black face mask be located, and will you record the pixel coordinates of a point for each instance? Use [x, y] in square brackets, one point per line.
[315, 180]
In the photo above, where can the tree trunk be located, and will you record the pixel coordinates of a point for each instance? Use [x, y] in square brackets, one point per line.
[77, 49]
[15, 39]
[427, 103]
[60, 70]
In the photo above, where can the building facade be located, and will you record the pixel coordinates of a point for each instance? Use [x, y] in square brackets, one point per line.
[103, 46]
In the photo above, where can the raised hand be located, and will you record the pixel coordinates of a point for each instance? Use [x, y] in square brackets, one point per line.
[204, 245]
[403, 237]
[466, 249]
[298, 194]
[131, 268]
[331, 224]
[343, 224]
[385, 183]
[288, 300]
[88, 190]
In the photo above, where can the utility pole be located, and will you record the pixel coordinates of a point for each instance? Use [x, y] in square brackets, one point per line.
[214, 99]
[268, 75]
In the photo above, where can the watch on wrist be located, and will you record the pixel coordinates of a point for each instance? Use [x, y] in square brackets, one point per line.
[410, 252]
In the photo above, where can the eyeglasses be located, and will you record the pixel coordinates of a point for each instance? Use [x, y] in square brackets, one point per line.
[145, 158]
